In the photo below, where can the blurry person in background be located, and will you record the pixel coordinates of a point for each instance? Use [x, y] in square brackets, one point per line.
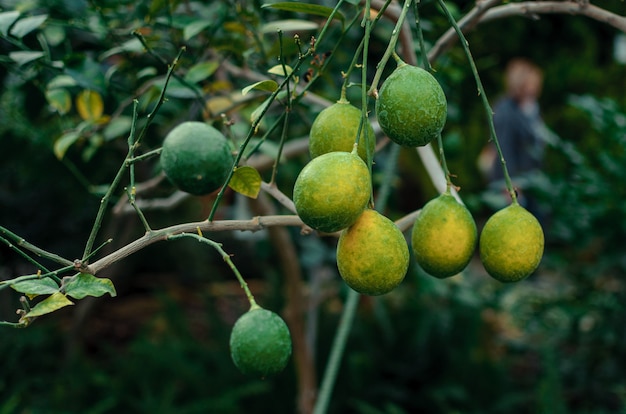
[520, 130]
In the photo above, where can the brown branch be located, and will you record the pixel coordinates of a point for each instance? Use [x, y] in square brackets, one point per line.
[254, 224]
[583, 8]
[466, 24]
[487, 10]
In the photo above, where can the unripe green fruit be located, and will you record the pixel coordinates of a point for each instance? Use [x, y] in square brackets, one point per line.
[444, 236]
[411, 107]
[332, 190]
[196, 157]
[260, 343]
[336, 128]
[511, 244]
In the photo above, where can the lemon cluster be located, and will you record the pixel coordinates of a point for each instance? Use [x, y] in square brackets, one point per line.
[444, 239]
[332, 194]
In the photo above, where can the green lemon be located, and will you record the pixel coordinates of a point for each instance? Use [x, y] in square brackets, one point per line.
[332, 190]
[336, 128]
[444, 236]
[511, 244]
[372, 254]
[260, 343]
[196, 157]
[411, 107]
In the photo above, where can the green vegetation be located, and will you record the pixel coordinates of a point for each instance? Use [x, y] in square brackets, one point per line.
[124, 286]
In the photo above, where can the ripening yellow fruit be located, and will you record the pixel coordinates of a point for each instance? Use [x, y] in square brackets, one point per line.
[332, 190]
[511, 244]
[372, 254]
[336, 128]
[444, 236]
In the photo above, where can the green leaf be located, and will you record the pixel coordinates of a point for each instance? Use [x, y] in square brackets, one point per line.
[261, 108]
[278, 70]
[84, 284]
[61, 81]
[176, 89]
[32, 288]
[266, 147]
[65, 141]
[201, 71]
[133, 45]
[247, 181]
[52, 303]
[265, 85]
[306, 8]
[22, 57]
[59, 99]
[194, 28]
[289, 25]
[117, 127]
[26, 25]
[87, 73]
[6, 21]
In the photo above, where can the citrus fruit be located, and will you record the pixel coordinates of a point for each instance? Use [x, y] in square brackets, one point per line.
[332, 190]
[411, 107]
[336, 128]
[196, 157]
[372, 254]
[444, 236]
[260, 343]
[511, 244]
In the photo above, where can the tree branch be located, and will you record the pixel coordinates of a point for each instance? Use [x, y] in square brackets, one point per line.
[583, 8]
[254, 224]
[487, 10]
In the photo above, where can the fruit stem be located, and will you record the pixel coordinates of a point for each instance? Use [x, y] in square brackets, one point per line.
[364, 97]
[225, 256]
[483, 96]
[357, 53]
[444, 164]
[391, 46]
[420, 38]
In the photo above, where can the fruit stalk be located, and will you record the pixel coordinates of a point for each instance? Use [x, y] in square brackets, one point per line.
[391, 46]
[217, 246]
[483, 96]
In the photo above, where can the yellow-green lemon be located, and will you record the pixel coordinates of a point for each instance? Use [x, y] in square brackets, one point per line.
[372, 254]
[411, 107]
[336, 128]
[511, 244]
[332, 190]
[444, 236]
[196, 157]
[260, 343]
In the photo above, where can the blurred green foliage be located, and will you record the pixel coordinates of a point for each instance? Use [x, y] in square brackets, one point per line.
[553, 344]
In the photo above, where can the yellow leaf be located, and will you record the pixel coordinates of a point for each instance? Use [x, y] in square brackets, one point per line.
[247, 181]
[89, 105]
